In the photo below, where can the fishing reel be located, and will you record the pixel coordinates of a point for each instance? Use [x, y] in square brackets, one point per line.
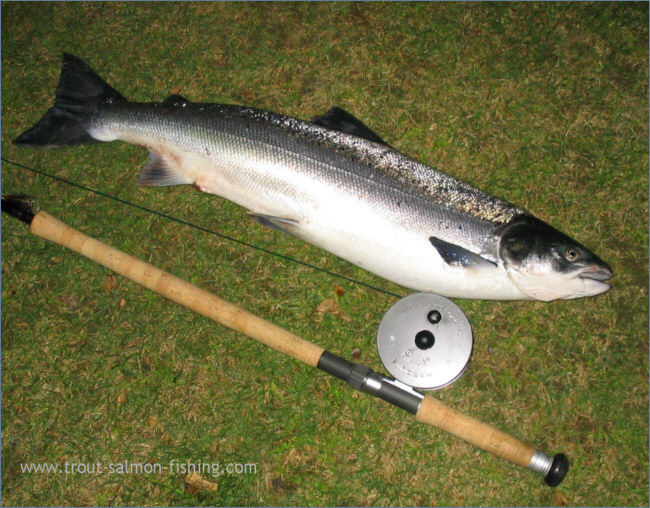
[425, 341]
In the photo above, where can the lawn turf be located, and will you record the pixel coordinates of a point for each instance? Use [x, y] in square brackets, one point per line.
[545, 105]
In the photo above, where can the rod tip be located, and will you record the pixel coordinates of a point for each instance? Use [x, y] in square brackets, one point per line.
[20, 206]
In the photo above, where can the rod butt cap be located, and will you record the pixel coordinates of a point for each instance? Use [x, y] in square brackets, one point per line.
[558, 471]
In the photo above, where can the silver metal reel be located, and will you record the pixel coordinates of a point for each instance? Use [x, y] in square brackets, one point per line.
[425, 341]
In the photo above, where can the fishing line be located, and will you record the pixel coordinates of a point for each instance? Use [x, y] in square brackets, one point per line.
[201, 228]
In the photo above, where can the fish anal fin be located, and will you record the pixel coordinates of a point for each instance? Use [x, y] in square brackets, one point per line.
[158, 172]
[455, 255]
[340, 120]
[282, 224]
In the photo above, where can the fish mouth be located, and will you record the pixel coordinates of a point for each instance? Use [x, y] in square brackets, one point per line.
[597, 273]
[594, 278]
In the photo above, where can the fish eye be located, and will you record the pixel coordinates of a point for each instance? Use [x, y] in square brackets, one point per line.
[571, 254]
[515, 245]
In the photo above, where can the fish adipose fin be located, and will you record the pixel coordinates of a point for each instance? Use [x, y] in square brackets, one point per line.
[277, 223]
[80, 90]
[454, 255]
[175, 100]
[340, 120]
[158, 172]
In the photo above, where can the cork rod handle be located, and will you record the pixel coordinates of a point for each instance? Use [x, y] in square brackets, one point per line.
[433, 412]
[177, 290]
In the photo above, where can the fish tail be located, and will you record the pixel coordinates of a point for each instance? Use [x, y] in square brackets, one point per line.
[79, 94]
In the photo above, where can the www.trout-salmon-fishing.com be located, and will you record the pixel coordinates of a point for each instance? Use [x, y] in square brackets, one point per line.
[126, 467]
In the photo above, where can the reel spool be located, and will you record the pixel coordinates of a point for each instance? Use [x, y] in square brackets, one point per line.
[425, 341]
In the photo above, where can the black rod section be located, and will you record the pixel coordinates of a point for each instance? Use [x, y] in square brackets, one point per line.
[364, 379]
[19, 206]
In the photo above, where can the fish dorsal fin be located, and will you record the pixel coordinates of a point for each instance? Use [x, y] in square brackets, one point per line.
[175, 100]
[158, 172]
[340, 120]
[455, 255]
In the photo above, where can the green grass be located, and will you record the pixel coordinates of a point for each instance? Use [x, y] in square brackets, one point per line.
[545, 105]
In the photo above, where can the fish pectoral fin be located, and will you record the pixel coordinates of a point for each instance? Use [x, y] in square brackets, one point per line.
[278, 223]
[158, 172]
[455, 255]
[340, 120]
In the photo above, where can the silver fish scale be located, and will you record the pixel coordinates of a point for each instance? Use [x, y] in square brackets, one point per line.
[406, 174]
[398, 186]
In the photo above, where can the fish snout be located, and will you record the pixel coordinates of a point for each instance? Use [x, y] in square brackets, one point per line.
[598, 272]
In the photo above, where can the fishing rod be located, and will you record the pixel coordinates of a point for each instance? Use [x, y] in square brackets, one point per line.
[426, 409]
